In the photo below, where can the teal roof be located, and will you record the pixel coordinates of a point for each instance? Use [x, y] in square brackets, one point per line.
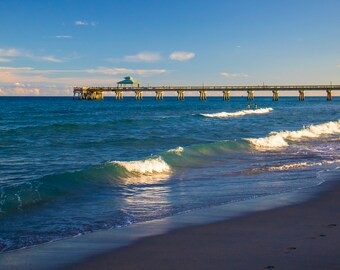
[128, 80]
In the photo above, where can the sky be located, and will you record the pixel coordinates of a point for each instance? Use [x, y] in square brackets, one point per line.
[47, 47]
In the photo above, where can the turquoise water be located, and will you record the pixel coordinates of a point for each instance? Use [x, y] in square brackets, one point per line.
[70, 167]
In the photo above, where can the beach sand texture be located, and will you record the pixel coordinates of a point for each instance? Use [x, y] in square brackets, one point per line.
[302, 236]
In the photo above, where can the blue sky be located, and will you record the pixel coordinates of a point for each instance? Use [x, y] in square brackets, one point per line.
[46, 47]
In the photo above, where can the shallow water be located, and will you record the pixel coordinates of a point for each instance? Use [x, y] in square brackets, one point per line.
[69, 167]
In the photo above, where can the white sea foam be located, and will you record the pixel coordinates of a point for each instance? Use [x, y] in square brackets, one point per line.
[331, 161]
[280, 139]
[236, 114]
[146, 166]
[292, 166]
[178, 150]
[284, 167]
[299, 165]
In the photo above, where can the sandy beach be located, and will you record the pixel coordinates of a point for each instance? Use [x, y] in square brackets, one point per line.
[302, 236]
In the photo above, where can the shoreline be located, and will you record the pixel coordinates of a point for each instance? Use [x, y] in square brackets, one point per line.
[305, 235]
[99, 247]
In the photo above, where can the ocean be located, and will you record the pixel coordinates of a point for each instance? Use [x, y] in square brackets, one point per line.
[70, 167]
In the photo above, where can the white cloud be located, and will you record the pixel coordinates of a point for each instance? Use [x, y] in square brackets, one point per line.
[116, 71]
[23, 91]
[88, 81]
[338, 66]
[50, 59]
[15, 69]
[63, 37]
[143, 57]
[28, 75]
[20, 89]
[81, 23]
[108, 71]
[9, 52]
[30, 70]
[2, 60]
[149, 72]
[6, 55]
[19, 84]
[84, 23]
[2, 92]
[182, 56]
[99, 70]
[45, 58]
[233, 75]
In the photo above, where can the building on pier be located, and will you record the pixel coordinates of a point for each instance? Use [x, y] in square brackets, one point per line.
[128, 81]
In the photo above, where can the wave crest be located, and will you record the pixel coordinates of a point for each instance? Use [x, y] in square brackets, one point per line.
[236, 114]
[146, 166]
[178, 150]
[279, 139]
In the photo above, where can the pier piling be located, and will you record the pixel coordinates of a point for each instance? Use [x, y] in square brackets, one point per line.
[275, 95]
[329, 94]
[98, 95]
[139, 94]
[159, 95]
[180, 95]
[203, 95]
[119, 94]
[84, 93]
[301, 95]
[226, 95]
[250, 94]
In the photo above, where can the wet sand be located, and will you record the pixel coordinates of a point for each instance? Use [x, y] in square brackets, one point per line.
[302, 236]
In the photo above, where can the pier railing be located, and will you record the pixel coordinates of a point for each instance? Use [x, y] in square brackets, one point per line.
[96, 93]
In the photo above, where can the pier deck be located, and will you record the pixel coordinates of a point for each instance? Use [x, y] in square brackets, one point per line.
[95, 93]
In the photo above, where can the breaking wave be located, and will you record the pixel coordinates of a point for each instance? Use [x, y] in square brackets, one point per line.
[178, 150]
[147, 166]
[281, 139]
[236, 114]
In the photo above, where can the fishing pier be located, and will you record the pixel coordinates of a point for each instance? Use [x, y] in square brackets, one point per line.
[129, 85]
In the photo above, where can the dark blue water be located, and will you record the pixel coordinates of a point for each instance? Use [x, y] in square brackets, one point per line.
[69, 167]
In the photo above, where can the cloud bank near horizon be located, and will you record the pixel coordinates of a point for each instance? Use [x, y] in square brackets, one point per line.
[181, 56]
